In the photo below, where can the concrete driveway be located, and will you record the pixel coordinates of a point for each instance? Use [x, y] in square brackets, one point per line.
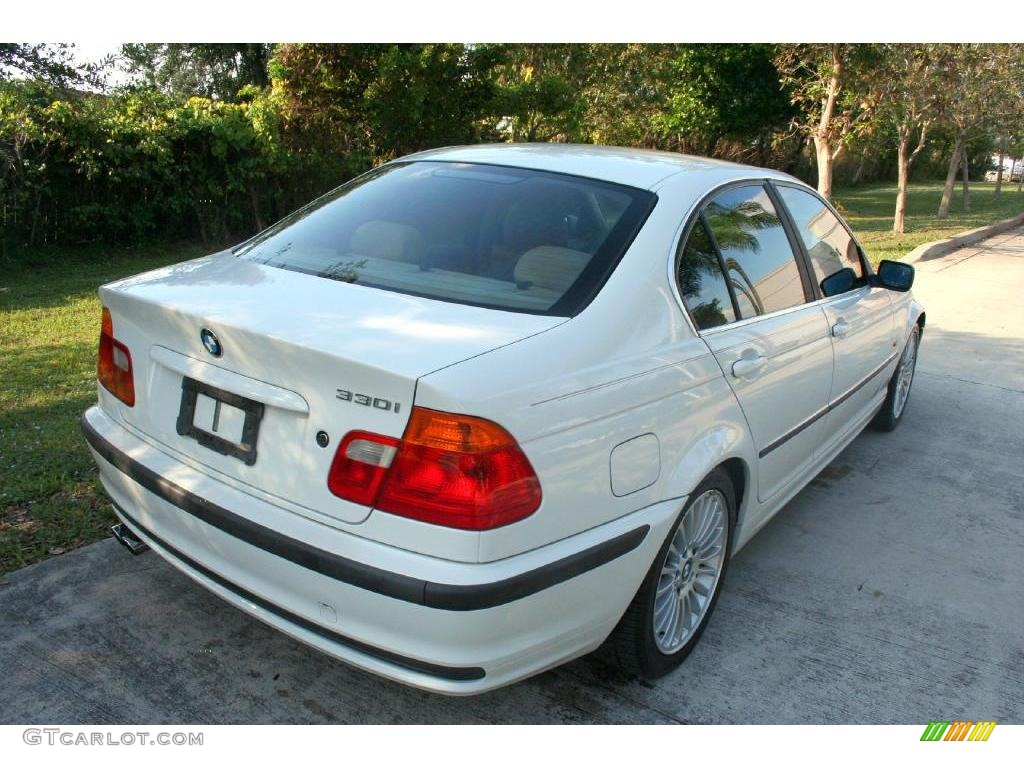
[890, 590]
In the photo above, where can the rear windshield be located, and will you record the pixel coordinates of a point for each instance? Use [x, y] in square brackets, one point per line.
[508, 238]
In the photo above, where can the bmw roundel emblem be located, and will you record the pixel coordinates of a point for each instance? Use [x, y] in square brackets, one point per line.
[211, 342]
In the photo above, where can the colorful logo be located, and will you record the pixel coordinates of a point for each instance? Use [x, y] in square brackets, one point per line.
[959, 730]
[211, 342]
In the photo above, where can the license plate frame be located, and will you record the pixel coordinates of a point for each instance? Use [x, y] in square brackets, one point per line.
[245, 450]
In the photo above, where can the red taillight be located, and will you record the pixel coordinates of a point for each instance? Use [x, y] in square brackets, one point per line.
[114, 364]
[458, 471]
[360, 465]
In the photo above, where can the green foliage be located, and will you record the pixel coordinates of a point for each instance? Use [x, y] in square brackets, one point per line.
[372, 102]
[425, 96]
[724, 91]
[137, 165]
[541, 89]
[212, 70]
[214, 141]
[40, 61]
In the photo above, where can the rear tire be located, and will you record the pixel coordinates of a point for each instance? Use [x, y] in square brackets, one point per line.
[895, 405]
[686, 577]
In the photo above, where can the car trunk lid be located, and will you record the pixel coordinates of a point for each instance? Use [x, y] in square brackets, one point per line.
[312, 355]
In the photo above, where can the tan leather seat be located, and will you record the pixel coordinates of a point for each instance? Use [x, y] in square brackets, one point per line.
[551, 267]
[387, 240]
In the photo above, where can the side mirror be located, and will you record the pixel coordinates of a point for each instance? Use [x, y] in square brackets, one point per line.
[839, 282]
[895, 275]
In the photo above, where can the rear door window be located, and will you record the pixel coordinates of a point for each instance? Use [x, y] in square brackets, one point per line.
[759, 262]
[701, 281]
[508, 238]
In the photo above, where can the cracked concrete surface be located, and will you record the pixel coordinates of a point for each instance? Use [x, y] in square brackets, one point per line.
[889, 591]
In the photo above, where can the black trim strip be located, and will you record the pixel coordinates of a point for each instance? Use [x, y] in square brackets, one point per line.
[793, 432]
[450, 597]
[702, 220]
[426, 667]
[827, 409]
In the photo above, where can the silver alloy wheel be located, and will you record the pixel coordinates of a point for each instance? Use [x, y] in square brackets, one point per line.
[905, 376]
[690, 571]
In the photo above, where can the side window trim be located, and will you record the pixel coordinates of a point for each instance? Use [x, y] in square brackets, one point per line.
[702, 221]
[812, 292]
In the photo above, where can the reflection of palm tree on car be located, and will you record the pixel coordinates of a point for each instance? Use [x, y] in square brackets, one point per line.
[747, 290]
[733, 229]
[699, 261]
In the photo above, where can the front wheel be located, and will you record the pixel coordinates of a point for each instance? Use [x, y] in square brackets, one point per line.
[895, 404]
[672, 607]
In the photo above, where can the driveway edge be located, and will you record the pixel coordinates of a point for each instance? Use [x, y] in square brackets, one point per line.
[937, 248]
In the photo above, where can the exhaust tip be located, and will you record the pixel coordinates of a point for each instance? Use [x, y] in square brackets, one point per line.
[127, 537]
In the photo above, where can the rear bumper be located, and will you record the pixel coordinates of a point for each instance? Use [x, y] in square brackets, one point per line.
[451, 627]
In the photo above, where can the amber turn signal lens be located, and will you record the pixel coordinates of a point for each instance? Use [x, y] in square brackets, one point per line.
[114, 363]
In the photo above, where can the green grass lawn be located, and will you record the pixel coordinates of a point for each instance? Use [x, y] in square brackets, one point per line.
[869, 210]
[50, 500]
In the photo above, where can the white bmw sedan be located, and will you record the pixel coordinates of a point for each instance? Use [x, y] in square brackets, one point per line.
[482, 410]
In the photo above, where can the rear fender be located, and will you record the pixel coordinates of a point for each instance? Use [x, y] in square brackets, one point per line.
[722, 443]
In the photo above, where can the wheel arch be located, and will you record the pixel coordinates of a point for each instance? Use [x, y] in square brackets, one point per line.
[909, 314]
[725, 447]
[739, 473]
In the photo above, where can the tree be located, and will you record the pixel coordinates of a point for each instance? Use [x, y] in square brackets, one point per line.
[999, 167]
[369, 103]
[427, 95]
[541, 90]
[968, 85]
[826, 83]
[1008, 106]
[53, 64]
[211, 70]
[723, 91]
[625, 93]
[1015, 147]
[907, 78]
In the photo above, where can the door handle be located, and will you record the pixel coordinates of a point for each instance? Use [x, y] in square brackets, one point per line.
[840, 329]
[749, 368]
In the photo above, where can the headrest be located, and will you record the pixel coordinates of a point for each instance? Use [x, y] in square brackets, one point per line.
[551, 267]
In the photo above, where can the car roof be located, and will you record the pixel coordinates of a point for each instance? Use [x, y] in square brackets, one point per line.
[643, 168]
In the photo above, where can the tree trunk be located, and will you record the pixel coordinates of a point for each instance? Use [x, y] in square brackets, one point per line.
[967, 192]
[999, 170]
[823, 153]
[859, 170]
[763, 148]
[947, 191]
[35, 219]
[903, 168]
[823, 134]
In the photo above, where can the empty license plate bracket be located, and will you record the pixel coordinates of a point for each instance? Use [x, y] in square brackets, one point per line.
[245, 449]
